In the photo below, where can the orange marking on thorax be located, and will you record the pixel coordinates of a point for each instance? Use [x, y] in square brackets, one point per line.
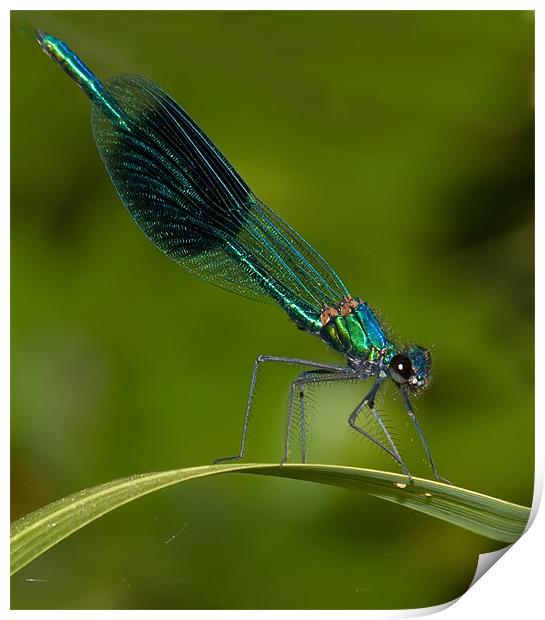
[347, 305]
[327, 314]
[343, 309]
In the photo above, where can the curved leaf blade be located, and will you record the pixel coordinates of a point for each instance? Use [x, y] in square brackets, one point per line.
[494, 518]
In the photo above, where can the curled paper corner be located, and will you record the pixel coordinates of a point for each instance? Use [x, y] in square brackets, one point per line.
[417, 612]
[425, 611]
[486, 562]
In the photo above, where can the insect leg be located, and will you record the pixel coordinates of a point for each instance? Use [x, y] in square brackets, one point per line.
[377, 417]
[298, 386]
[369, 401]
[410, 411]
[260, 360]
[303, 429]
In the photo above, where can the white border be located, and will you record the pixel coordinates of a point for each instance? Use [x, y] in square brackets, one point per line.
[513, 587]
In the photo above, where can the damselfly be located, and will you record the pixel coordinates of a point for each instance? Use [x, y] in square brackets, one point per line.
[193, 206]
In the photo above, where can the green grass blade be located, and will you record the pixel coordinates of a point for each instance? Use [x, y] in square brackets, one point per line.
[494, 518]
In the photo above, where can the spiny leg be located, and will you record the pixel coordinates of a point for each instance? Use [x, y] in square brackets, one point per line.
[303, 428]
[379, 421]
[369, 401]
[304, 379]
[270, 358]
[412, 416]
[300, 387]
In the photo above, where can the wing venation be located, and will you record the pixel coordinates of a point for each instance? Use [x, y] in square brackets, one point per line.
[195, 207]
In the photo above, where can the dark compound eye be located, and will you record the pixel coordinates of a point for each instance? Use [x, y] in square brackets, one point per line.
[401, 369]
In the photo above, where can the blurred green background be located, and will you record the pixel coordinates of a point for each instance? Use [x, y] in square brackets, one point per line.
[400, 144]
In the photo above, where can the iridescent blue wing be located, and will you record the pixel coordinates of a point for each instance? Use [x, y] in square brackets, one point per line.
[195, 207]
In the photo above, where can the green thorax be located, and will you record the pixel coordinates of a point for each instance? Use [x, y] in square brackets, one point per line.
[355, 331]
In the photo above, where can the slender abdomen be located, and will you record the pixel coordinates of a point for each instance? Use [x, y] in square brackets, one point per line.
[72, 65]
